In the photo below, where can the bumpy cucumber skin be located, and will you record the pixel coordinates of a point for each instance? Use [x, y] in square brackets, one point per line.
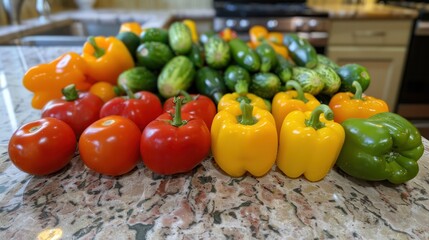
[178, 74]
[180, 38]
[217, 53]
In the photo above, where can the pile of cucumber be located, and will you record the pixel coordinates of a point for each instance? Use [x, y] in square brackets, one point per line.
[214, 67]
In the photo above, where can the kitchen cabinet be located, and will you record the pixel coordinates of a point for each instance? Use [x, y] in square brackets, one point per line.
[379, 45]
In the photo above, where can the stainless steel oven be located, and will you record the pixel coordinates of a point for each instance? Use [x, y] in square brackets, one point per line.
[276, 15]
[413, 100]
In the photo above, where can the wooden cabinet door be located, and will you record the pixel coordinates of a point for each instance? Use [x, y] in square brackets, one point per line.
[384, 64]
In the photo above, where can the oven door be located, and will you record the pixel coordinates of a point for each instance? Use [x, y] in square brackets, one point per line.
[413, 102]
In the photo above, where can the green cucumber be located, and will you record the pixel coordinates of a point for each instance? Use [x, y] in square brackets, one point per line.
[137, 79]
[154, 35]
[209, 82]
[325, 60]
[301, 51]
[265, 85]
[283, 68]
[153, 55]
[353, 72]
[217, 53]
[180, 38]
[267, 55]
[329, 77]
[176, 75]
[244, 56]
[131, 41]
[237, 79]
[308, 79]
[196, 55]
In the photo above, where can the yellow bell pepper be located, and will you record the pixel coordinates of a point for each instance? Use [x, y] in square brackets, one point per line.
[309, 143]
[47, 80]
[244, 139]
[193, 28]
[291, 100]
[133, 27]
[107, 57]
[234, 98]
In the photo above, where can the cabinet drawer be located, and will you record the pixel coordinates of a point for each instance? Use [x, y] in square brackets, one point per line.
[370, 32]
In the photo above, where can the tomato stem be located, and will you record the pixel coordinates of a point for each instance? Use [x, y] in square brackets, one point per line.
[70, 92]
[177, 117]
[98, 51]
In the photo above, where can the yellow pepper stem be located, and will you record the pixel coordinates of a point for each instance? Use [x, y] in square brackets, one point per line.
[98, 52]
[246, 117]
[70, 92]
[314, 120]
[358, 92]
[292, 84]
[177, 116]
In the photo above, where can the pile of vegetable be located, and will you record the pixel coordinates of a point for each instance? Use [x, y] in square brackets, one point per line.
[170, 97]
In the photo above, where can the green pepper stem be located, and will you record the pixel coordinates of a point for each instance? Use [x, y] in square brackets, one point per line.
[186, 96]
[292, 84]
[358, 92]
[314, 120]
[70, 92]
[241, 87]
[246, 117]
[177, 116]
[98, 52]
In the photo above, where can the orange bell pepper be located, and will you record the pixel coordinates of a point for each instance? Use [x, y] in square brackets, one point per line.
[133, 27]
[47, 80]
[258, 33]
[291, 100]
[107, 57]
[275, 37]
[345, 105]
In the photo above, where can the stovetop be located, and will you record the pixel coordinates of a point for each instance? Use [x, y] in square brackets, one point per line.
[272, 10]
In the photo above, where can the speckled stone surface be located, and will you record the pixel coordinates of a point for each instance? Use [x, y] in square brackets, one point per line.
[77, 203]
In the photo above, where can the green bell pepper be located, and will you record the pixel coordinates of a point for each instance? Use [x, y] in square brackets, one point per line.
[385, 146]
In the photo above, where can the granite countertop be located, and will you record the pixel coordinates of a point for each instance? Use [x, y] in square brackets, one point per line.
[77, 203]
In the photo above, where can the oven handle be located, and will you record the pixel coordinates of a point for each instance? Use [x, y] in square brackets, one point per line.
[422, 28]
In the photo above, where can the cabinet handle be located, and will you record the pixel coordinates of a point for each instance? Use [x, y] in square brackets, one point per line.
[369, 33]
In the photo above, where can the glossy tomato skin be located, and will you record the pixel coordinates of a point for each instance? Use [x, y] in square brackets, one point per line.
[142, 109]
[79, 113]
[110, 145]
[166, 149]
[43, 146]
[200, 106]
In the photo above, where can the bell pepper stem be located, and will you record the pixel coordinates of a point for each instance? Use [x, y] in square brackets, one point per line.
[177, 116]
[241, 87]
[70, 92]
[314, 120]
[186, 96]
[243, 98]
[246, 117]
[98, 52]
[358, 92]
[292, 84]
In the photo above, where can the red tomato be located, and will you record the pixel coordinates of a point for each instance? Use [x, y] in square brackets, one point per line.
[79, 113]
[142, 109]
[168, 149]
[197, 105]
[43, 146]
[110, 145]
